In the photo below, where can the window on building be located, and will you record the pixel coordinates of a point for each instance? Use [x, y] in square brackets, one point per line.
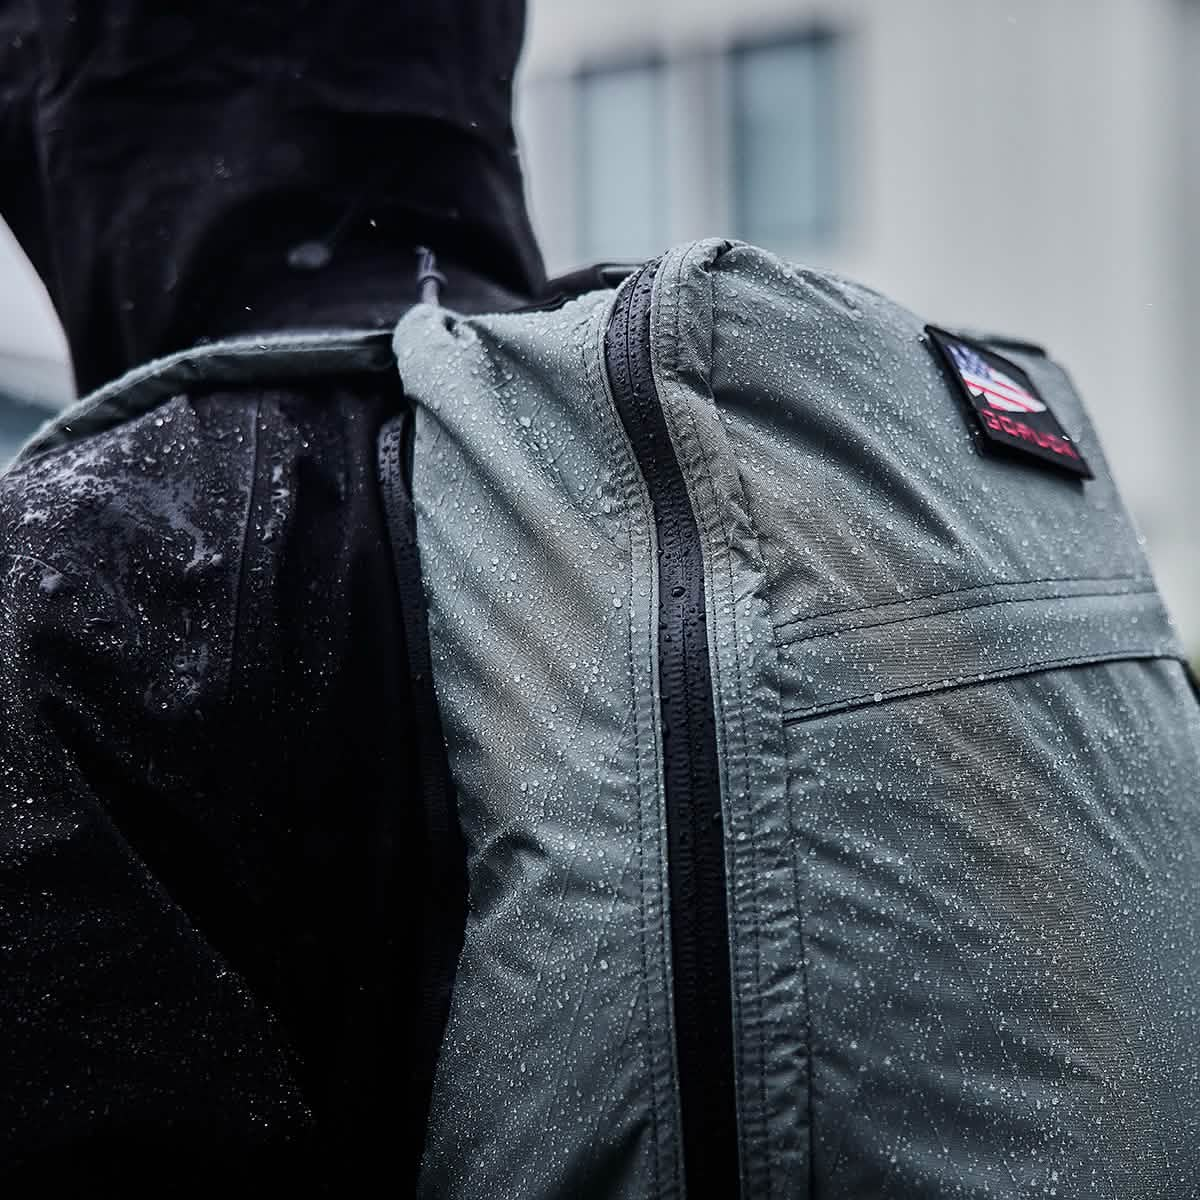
[785, 151]
[621, 205]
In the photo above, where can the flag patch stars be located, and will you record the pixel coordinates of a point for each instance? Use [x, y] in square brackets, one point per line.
[1006, 408]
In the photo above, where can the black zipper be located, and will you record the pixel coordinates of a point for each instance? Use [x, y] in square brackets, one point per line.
[695, 830]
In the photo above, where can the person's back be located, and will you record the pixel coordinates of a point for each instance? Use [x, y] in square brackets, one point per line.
[224, 915]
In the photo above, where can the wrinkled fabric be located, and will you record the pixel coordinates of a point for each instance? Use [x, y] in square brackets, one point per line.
[992, 759]
[958, 763]
[537, 548]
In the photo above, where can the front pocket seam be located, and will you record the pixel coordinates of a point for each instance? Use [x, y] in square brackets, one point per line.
[981, 587]
[943, 612]
[794, 715]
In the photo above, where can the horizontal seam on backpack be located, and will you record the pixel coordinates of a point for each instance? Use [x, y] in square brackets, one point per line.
[865, 699]
[901, 618]
[975, 587]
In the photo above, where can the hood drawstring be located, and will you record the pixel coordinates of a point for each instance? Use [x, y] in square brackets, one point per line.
[430, 280]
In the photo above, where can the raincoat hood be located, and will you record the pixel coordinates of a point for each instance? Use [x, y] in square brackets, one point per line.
[234, 167]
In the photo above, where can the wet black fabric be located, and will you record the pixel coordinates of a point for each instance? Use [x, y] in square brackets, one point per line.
[163, 163]
[21, 203]
[214, 861]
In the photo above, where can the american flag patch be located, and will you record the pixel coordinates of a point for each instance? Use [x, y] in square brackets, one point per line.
[990, 384]
[1009, 414]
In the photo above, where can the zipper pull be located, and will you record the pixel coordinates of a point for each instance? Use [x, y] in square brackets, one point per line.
[430, 280]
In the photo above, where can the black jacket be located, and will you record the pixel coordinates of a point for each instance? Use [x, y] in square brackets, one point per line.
[230, 888]
[205, 169]
[231, 893]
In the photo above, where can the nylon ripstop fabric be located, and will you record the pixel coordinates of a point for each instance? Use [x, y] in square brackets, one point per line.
[956, 750]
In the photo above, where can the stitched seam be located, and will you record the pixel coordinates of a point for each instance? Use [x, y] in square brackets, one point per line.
[752, 850]
[793, 715]
[677, 1124]
[756, 993]
[799, 911]
[960, 608]
[637, 725]
[981, 587]
[599, 375]
[160, 372]
[670, 300]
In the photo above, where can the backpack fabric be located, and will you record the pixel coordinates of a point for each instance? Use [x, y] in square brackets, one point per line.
[829, 787]
[658, 754]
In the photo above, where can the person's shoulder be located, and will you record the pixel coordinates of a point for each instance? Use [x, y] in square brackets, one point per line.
[152, 491]
[121, 555]
[163, 476]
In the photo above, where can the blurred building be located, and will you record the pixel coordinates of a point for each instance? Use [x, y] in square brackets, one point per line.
[1027, 167]
[19, 415]
[35, 380]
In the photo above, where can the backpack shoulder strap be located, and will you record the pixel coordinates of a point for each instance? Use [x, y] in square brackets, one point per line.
[277, 358]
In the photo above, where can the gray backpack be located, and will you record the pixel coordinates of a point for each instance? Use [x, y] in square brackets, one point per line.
[825, 760]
